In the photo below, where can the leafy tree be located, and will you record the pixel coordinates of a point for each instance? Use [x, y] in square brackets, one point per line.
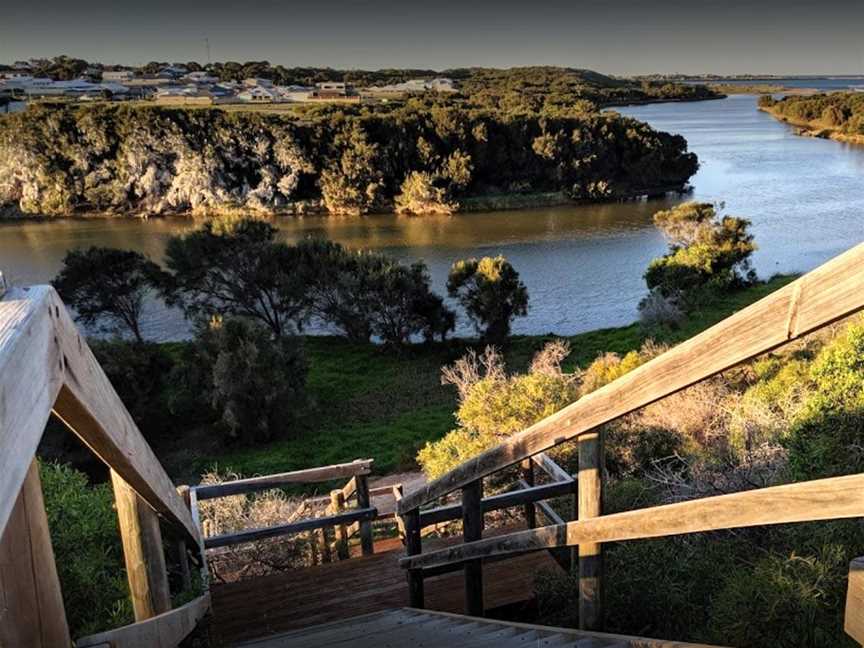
[420, 195]
[365, 294]
[258, 380]
[242, 272]
[705, 251]
[105, 284]
[491, 293]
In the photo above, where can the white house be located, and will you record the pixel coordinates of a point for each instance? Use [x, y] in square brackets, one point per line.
[255, 82]
[200, 77]
[117, 76]
[259, 94]
[294, 93]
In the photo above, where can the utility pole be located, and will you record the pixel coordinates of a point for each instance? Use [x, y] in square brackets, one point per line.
[207, 47]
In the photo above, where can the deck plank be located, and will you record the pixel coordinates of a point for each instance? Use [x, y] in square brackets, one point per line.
[301, 598]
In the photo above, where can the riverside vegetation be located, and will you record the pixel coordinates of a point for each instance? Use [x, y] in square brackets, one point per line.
[838, 116]
[793, 414]
[510, 132]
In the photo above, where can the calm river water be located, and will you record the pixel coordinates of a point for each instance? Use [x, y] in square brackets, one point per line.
[583, 265]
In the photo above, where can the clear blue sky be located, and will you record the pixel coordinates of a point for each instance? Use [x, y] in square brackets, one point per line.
[613, 36]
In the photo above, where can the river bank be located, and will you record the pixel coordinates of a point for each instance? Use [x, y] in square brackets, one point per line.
[814, 128]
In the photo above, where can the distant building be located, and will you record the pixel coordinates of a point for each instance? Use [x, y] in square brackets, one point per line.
[259, 94]
[294, 93]
[200, 77]
[172, 72]
[256, 82]
[334, 91]
[22, 66]
[117, 76]
[414, 86]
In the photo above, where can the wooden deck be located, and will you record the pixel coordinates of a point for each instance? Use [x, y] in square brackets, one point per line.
[335, 591]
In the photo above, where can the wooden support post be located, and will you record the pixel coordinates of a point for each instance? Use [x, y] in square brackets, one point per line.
[337, 503]
[365, 501]
[530, 509]
[590, 555]
[413, 547]
[31, 603]
[180, 545]
[142, 551]
[472, 529]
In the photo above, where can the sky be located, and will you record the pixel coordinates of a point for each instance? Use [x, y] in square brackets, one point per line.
[621, 37]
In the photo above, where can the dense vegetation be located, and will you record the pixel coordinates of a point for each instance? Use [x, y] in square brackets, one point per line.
[837, 114]
[131, 159]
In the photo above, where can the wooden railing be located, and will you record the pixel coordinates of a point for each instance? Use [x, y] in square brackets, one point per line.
[45, 366]
[829, 293]
[344, 521]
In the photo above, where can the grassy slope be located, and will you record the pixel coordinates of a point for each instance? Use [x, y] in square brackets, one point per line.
[371, 403]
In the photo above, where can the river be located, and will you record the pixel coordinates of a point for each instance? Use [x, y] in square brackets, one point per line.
[582, 265]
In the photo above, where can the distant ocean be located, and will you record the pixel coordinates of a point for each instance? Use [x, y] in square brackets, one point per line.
[828, 84]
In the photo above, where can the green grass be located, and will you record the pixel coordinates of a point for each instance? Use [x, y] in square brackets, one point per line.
[368, 402]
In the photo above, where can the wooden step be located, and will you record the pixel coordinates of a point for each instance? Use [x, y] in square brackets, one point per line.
[409, 628]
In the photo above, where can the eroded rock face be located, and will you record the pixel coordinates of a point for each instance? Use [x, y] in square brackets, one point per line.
[151, 160]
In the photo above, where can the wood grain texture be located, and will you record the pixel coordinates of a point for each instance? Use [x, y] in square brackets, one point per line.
[142, 552]
[164, 631]
[833, 291]
[823, 499]
[31, 373]
[307, 476]
[590, 499]
[472, 530]
[31, 602]
[364, 500]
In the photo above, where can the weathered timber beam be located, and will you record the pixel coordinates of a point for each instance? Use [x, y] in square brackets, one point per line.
[551, 468]
[251, 535]
[45, 363]
[497, 502]
[823, 499]
[265, 482]
[831, 292]
[164, 631]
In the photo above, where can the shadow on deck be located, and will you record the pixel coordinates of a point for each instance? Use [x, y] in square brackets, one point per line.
[297, 599]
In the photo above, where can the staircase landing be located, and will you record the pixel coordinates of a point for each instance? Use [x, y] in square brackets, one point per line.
[341, 590]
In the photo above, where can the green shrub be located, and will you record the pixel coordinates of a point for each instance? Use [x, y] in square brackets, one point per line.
[491, 293]
[827, 436]
[258, 382]
[706, 253]
[86, 542]
[494, 405]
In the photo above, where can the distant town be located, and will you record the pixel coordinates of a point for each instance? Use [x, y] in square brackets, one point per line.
[177, 84]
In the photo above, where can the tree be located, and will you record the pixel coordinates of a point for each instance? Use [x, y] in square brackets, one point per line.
[705, 251]
[259, 381]
[242, 272]
[491, 293]
[105, 284]
[365, 294]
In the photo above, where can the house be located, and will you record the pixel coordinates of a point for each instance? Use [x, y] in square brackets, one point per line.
[117, 76]
[334, 91]
[259, 94]
[294, 93]
[256, 82]
[21, 66]
[172, 72]
[200, 77]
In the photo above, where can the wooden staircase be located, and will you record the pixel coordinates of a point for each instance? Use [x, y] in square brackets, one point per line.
[411, 628]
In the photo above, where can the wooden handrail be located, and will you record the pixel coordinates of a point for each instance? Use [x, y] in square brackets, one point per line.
[164, 631]
[528, 494]
[266, 482]
[822, 499]
[251, 535]
[831, 292]
[45, 363]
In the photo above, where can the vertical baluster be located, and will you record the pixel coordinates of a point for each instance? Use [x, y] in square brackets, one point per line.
[530, 508]
[590, 554]
[413, 547]
[337, 503]
[364, 501]
[472, 529]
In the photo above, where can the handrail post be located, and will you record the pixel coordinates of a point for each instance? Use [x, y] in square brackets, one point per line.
[413, 547]
[180, 545]
[337, 503]
[530, 508]
[365, 501]
[31, 602]
[142, 552]
[590, 554]
[472, 529]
